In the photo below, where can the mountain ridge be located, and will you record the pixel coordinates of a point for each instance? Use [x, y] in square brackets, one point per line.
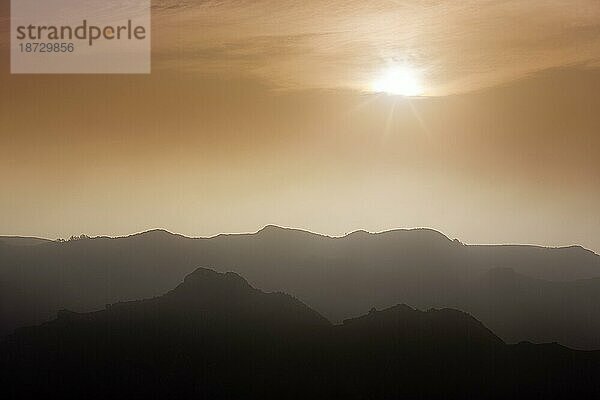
[199, 340]
[338, 276]
[276, 228]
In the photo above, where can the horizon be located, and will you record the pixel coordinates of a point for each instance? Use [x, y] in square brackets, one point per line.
[290, 228]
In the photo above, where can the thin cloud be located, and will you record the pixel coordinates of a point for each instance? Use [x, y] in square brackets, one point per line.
[461, 46]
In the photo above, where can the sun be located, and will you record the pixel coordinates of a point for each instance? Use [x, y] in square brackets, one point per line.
[399, 81]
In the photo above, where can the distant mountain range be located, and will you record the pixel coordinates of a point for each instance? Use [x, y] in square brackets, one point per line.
[521, 292]
[216, 337]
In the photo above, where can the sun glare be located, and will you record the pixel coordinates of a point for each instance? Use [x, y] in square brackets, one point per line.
[398, 81]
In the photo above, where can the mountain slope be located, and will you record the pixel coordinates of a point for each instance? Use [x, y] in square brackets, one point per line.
[340, 277]
[216, 337]
[22, 241]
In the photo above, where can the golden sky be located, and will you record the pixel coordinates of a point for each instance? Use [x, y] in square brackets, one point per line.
[459, 46]
[259, 112]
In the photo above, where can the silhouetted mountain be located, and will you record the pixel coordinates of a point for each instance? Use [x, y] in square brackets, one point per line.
[216, 337]
[404, 324]
[22, 241]
[339, 277]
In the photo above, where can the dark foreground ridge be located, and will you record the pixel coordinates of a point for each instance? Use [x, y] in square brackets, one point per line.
[216, 337]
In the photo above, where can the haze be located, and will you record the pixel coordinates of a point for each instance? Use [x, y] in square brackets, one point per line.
[260, 112]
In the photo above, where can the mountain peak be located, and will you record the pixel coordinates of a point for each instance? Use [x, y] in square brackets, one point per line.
[454, 326]
[206, 301]
[205, 277]
[228, 295]
[279, 231]
[206, 283]
[153, 233]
